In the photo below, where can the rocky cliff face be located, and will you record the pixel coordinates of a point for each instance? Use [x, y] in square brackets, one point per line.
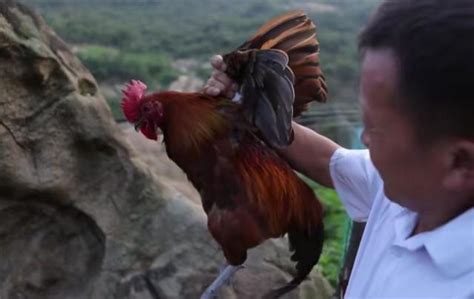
[82, 213]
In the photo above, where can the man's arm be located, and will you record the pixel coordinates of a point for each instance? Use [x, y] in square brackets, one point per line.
[309, 153]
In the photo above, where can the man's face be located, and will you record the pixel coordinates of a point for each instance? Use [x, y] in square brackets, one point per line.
[409, 170]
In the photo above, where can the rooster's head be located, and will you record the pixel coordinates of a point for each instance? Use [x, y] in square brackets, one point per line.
[145, 112]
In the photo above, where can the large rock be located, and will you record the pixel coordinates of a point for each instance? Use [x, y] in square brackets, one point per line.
[82, 213]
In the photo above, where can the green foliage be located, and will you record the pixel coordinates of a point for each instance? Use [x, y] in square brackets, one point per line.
[336, 223]
[111, 64]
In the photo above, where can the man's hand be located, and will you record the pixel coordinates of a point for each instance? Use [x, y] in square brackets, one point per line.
[219, 83]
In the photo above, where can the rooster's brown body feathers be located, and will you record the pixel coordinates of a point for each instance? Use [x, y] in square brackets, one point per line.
[248, 192]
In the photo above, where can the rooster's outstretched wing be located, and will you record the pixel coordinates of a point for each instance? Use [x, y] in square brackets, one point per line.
[295, 34]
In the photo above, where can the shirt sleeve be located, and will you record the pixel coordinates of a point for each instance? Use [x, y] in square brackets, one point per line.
[355, 180]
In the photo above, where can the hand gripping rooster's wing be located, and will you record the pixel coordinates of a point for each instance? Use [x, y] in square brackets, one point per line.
[248, 191]
[279, 74]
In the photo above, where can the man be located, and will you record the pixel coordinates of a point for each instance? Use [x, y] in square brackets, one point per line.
[415, 184]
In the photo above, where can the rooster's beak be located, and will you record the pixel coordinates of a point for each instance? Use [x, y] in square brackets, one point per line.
[138, 124]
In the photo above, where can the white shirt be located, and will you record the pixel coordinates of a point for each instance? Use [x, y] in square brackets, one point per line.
[390, 263]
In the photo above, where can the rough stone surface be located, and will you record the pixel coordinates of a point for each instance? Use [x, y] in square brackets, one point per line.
[85, 211]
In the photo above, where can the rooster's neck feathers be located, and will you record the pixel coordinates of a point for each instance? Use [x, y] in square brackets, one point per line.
[192, 120]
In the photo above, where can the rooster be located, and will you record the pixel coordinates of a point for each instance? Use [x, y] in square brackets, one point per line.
[228, 148]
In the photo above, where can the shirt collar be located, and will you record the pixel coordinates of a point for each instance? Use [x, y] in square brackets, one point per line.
[450, 246]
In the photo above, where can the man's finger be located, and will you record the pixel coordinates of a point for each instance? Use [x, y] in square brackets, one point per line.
[217, 84]
[212, 91]
[214, 87]
[217, 63]
[223, 78]
[209, 89]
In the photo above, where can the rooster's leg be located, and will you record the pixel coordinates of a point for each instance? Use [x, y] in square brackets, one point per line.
[223, 277]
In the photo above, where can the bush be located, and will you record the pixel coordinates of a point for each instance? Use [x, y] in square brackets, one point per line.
[110, 64]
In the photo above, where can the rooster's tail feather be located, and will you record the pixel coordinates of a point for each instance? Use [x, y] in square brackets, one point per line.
[307, 247]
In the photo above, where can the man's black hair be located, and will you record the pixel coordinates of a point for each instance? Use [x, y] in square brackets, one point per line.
[433, 41]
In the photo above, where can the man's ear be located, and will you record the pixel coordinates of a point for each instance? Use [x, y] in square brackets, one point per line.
[460, 166]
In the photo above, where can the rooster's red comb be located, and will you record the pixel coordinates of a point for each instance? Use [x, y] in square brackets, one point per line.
[132, 95]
